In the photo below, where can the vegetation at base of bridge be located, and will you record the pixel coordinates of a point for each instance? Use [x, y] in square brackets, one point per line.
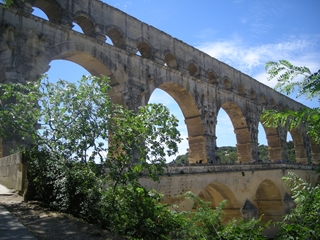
[74, 122]
[303, 222]
[228, 155]
[287, 82]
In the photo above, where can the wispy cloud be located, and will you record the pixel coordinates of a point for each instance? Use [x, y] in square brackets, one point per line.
[252, 59]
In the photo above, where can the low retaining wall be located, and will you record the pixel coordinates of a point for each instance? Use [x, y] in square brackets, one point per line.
[13, 172]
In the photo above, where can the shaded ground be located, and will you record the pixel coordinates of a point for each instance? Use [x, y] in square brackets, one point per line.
[48, 225]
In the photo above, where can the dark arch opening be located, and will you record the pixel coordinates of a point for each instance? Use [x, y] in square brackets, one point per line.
[227, 84]
[85, 24]
[241, 90]
[50, 7]
[116, 37]
[193, 69]
[171, 61]
[253, 95]
[212, 79]
[144, 49]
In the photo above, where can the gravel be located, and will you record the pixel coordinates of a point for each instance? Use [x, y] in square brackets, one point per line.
[50, 225]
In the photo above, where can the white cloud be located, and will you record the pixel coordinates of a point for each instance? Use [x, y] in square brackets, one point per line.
[251, 60]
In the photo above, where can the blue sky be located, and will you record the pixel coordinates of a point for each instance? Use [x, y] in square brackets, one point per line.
[242, 33]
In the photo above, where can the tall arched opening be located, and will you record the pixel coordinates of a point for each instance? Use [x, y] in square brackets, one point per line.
[160, 96]
[241, 130]
[192, 119]
[300, 150]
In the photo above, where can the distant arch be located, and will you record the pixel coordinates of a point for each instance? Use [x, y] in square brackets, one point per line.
[170, 60]
[50, 7]
[272, 102]
[227, 83]
[241, 90]
[145, 49]
[263, 99]
[116, 36]
[193, 69]
[253, 95]
[269, 201]
[217, 192]
[86, 24]
[212, 77]
[280, 107]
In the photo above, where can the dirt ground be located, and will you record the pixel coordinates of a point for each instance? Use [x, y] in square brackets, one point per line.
[49, 225]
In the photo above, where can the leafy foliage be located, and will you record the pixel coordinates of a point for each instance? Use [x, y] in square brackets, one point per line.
[206, 223]
[72, 133]
[309, 86]
[304, 221]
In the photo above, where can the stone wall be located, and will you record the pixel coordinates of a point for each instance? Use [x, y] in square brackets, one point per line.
[13, 172]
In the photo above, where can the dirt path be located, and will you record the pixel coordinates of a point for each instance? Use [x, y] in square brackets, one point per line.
[48, 225]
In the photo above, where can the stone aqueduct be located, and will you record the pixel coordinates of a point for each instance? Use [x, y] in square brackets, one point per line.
[141, 59]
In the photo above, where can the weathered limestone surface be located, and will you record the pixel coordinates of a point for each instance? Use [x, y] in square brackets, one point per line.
[141, 59]
[13, 172]
[259, 184]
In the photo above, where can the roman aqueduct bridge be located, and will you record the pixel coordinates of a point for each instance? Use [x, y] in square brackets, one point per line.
[140, 59]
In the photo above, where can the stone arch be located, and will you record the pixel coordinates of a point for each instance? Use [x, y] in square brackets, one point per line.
[98, 64]
[253, 95]
[144, 48]
[280, 107]
[50, 7]
[116, 36]
[241, 90]
[272, 102]
[298, 141]
[315, 151]
[217, 192]
[212, 77]
[227, 83]
[170, 60]
[193, 69]
[240, 129]
[274, 143]
[85, 22]
[191, 113]
[269, 201]
[263, 99]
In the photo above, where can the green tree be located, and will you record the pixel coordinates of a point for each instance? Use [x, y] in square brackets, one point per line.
[288, 83]
[207, 223]
[303, 222]
[69, 126]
